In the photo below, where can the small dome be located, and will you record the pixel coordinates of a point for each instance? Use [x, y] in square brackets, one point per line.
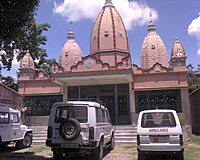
[27, 62]
[109, 33]
[177, 49]
[70, 53]
[153, 49]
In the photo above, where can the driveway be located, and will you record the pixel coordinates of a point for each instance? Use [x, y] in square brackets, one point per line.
[122, 151]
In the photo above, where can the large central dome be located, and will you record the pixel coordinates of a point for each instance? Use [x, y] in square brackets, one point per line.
[109, 33]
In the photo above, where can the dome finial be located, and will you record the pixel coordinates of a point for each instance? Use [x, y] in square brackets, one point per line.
[151, 26]
[108, 3]
[150, 14]
[70, 34]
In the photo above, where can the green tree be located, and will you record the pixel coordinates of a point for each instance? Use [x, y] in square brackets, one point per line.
[47, 65]
[193, 79]
[31, 41]
[19, 31]
[10, 82]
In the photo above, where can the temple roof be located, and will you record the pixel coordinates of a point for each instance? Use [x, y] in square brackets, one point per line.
[70, 53]
[153, 49]
[177, 49]
[27, 62]
[109, 33]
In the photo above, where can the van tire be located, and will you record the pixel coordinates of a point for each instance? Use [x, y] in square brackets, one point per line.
[99, 151]
[112, 143]
[57, 155]
[73, 127]
[2, 146]
[180, 156]
[141, 156]
[25, 142]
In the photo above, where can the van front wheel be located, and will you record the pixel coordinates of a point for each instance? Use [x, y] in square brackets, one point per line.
[98, 152]
[141, 156]
[26, 142]
[112, 143]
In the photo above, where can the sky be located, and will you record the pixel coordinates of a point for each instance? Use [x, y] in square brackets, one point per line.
[172, 18]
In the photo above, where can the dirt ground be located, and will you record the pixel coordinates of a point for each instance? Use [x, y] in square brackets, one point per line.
[41, 152]
[122, 151]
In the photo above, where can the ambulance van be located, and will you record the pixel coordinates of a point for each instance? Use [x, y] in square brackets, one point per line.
[159, 132]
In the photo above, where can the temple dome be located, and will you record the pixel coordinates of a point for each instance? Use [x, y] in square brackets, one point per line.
[153, 49]
[27, 62]
[70, 53]
[177, 49]
[109, 33]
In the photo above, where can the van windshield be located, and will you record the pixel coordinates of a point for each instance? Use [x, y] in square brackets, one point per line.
[158, 119]
[77, 112]
[4, 118]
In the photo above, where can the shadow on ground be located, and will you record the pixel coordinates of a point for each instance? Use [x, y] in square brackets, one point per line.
[12, 153]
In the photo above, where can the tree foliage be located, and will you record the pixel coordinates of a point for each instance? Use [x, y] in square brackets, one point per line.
[19, 31]
[193, 76]
[47, 65]
[10, 82]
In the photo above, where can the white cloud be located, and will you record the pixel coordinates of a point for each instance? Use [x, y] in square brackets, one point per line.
[194, 30]
[132, 12]
[198, 52]
[14, 68]
[15, 63]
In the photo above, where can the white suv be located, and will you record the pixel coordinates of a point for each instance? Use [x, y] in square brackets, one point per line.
[159, 132]
[79, 127]
[11, 130]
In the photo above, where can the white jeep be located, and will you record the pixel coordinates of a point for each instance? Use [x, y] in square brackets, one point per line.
[159, 132]
[79, 127]
[11, 130]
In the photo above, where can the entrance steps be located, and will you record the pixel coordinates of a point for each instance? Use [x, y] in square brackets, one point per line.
[123, 133]
[39, 134]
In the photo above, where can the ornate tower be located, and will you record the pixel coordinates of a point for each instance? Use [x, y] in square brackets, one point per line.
[153, 49]
[27, 68]
[109, 40]
[70, 53]
[178, 57]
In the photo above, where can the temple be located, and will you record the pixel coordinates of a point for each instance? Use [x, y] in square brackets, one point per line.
[107, 73]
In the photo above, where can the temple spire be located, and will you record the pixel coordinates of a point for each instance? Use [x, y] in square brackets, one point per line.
[108, 3]
[70, 34]
[151, 26]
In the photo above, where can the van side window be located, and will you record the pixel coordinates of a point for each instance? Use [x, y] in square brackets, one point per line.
[104, 116]
[98, 115]
[4, 118]
[108, 116]
[14, 118]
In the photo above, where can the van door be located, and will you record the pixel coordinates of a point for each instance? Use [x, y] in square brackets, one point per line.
[109, 126]
[15, 132]
[4, 126]
[158, 127]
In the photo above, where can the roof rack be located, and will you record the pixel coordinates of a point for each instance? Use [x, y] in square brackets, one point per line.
[87, 99]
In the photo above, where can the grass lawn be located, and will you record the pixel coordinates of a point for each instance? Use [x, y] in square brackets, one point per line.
[122, 151]
[192, 149]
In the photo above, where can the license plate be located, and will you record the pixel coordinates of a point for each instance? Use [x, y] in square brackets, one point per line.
[159, 139]
[70, 145]
[155, 139]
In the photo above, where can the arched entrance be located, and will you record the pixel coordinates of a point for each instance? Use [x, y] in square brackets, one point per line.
[114, 96]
